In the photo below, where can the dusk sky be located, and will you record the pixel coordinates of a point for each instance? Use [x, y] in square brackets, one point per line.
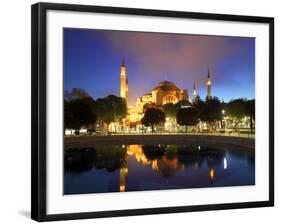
[92, 60]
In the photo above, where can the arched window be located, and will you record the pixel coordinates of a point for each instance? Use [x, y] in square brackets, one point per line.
[169, 99]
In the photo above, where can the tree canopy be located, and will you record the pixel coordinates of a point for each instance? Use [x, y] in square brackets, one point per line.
[153, 117]
[187, 116]
[80, 110]
[110, 109]
[170, 110]
[239, 108]
[75, 93]
[79, 113]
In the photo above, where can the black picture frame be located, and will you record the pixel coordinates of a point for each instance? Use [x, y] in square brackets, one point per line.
[38, 108]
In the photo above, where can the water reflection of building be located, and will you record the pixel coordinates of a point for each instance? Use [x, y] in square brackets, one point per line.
[168, 160]
[212, 174]
[134, 150]
[154, 157]
[123, 175]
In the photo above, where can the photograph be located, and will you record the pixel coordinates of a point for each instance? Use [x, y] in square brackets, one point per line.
[147, 111]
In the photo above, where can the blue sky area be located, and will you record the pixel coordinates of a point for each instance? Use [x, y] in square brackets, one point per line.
[92, 60]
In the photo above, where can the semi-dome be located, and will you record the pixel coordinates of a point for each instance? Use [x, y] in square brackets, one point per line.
[166, 85]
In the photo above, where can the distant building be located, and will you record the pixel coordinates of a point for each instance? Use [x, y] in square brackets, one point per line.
[165, 92]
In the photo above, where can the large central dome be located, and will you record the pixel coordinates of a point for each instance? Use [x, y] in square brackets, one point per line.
[166, 85]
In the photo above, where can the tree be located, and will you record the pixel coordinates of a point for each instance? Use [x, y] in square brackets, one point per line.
[170, 111]
[213, 111]
[187, 116]
[250, 111]
[201, 109]
[69, 121]
[79, 113]
[237, 110]
[75, 93]
[78, 110]
[118, 106]
[153, 117]
[104, 111]
[110, 109]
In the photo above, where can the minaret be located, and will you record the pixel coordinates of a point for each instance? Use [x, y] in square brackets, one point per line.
[194, 93]
[123, 82]
[209, 85]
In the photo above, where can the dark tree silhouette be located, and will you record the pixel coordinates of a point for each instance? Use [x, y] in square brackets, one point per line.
[75, 93]
[110, 109]
[187, 116]
[170, 110]
[79, 113]
[201, 108]
[213, 111]
[118, 106]
[250, 111]
[153, 117]
[237, 110]
[68, 116]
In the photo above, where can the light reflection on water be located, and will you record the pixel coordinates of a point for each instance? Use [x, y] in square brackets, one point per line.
[101, 169]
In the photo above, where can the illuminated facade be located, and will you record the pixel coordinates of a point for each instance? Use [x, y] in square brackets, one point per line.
[165, 92]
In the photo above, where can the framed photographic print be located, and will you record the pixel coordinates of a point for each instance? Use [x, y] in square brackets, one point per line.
[138, 111]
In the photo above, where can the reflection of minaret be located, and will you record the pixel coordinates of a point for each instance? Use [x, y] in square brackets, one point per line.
[209, 85]
[123, 82]
[123, 175]
[212, 175]
[194, 93]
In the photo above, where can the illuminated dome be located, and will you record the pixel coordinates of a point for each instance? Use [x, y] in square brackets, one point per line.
[166, 85]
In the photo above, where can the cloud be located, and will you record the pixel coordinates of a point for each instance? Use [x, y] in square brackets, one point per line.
[157, 51]
[185, 58]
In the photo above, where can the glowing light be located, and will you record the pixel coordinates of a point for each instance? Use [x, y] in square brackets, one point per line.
[122, 188]
[123, 146]
[130, 153]
[224, 163]
[212, 174]
[154, 165]
[199, 147]
[223, 112]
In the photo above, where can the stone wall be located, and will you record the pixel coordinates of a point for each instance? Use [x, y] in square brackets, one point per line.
[84, 141]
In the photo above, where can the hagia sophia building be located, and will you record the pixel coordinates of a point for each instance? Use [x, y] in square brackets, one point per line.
[165, 92]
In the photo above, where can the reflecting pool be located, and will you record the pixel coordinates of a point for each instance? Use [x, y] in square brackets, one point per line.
[120, 168]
